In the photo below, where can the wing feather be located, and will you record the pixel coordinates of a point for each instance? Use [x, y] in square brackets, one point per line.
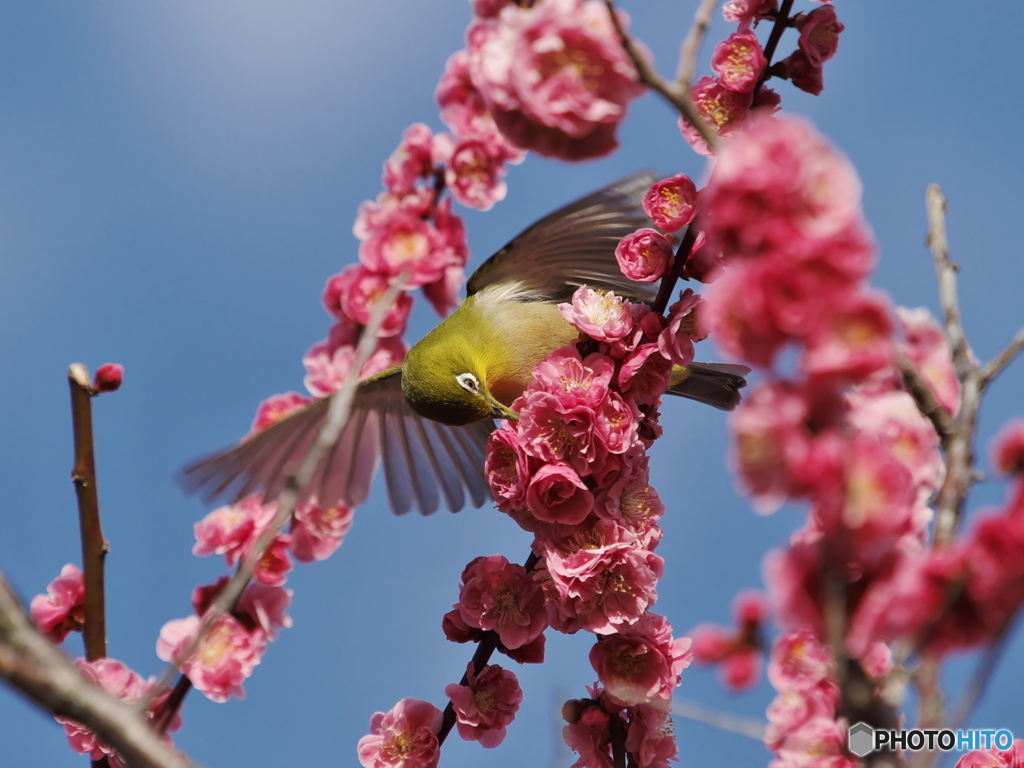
[422, 459]
[574, 245]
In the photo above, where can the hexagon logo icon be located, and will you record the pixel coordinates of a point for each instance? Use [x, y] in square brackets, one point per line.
[861, 739]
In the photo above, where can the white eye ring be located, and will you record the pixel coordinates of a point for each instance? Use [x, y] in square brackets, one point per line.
[468, 382]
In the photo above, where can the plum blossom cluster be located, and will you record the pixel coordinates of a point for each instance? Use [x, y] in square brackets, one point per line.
[727, 99]
[573, 471]
[803, 724]
[738, 653]
[833, 424]
[552, 74]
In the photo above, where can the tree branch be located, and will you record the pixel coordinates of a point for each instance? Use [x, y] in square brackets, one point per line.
[674, 95]
[691, 45]
[723, 721]
[945, 269]
[923, 396]
[32, 665]
[995, 366]
[337, 417]
[94, 546]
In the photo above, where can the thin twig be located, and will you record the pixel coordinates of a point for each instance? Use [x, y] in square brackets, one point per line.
[691, 45]
[946, 271]
[723, 721]
[677, 97]
[338, 412]
[982, 675]
[94, 546]
[31, 664]
[924, 397]
[781, 22]
[668, 282]
[995, 366]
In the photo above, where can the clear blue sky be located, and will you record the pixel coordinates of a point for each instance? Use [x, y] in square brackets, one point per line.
[177, 180]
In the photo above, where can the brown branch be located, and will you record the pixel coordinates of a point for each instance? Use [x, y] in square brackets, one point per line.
[668, 282]
[94, 547]
[673, 94]
[337, 417]
[691, 45]
[781, 22]
[924, 397]
[995, 366]
[32, 665]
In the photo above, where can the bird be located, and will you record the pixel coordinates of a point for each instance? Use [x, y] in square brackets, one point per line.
[428, 420]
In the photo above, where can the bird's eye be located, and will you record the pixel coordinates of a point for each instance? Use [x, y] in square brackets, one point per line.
[468, 382]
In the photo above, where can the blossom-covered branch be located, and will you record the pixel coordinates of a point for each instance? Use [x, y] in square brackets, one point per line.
[30, 663]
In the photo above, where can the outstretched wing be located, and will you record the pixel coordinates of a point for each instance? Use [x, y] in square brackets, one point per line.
[574, 246]
[423, 460]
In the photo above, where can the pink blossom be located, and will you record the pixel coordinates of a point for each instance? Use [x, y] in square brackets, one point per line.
[855, 341]
[805, 75]
[226, 656]
[650, 738]
[724, 110]
[503, 597]
[507, 468]
[644, 255]
[122, 683]
[798, 661]
[926, 346]
[375, 216]
[1007, 449]
[583, 571]
[275, 408]
[406, 245]
[641, 663]
[328, 363]
[588, 732]
[445, 293]
[685, 327]
[359, 288]
[62, 609]
[551, 429]
[273, 567]
[108, 377]
[630, 501]
[486, 704]
[557, 495]
[645, 374]
[405, 737]
[565, 374]
[994, 758]
[672, 203]
[711, 643]
[819, 34]
[739, 61]
[317, 531]
[741, 669]
[473, 175]
[746, 12]
[226, 530]
[779, 188]
[554, 76]
[600, 314]
[264, 607]
[411, 161]
[617, 423]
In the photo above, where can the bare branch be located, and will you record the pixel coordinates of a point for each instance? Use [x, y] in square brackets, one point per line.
[337, 417]
[945, 269]
[995, 366]
[691, 45]
[674, 95]
[32, 665]
[982, 674]
[723, 721]
[94, 546]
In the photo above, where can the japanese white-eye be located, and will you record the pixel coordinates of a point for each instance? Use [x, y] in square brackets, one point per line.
[429, 419]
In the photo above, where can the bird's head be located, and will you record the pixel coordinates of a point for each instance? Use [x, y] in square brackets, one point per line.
[445, 379]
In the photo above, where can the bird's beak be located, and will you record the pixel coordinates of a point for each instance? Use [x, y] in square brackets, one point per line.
[500, 411]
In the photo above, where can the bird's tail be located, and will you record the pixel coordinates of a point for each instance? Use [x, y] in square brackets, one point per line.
[716, 384]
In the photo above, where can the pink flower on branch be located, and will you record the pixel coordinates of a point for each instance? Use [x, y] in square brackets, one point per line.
[819, 34]
[504, 597]
[122, 683]
[405, 737]
[672, 203]
[62, 609]
[739, 61]
[644, 255]
[486, 705]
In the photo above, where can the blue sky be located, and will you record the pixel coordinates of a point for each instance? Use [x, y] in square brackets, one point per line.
[177, 180]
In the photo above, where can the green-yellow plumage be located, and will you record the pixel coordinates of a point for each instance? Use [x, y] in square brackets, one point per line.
[429, 419]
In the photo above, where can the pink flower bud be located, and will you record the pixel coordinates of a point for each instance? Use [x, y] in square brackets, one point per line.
[108, 377]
